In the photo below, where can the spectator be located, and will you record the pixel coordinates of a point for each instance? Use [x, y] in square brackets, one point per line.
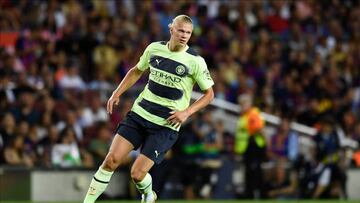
[327, 142]
[7, 129]
[284, 143]
[186, 155]
[71, 79]
[210, 136]
[100, 82]
[15, 154]
[6, 88]
[46, 144]
[71, 122]
[26, 109]
[30, 144]
[48, 116]
[250, 142]
[321, 181]
[94, 113]
[328, 151]
[66, 152]
[100, 144]
[105, 57]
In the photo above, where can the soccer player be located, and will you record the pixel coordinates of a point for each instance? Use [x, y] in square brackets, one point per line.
[158, 112]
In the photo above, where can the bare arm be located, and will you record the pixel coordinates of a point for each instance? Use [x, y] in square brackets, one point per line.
[129, 80]
[201, 102]
[179, 117]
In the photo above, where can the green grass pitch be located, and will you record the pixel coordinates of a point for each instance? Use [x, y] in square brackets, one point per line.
[212, 201]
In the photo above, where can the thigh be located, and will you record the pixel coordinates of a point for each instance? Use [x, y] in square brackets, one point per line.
[142, 164]
[158, 142]
[120, 148]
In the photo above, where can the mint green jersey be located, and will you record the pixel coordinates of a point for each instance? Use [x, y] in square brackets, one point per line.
[171, 80]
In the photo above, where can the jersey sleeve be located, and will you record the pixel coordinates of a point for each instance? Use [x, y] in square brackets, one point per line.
[143, 63]
[202, 75]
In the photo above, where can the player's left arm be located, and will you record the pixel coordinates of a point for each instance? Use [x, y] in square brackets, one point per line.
[179, 117]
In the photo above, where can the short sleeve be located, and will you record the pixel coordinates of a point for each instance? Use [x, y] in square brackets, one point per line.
[202, 75]
[143, 63]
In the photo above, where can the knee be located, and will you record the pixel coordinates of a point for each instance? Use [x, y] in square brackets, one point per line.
[111, 162]
[137, 174]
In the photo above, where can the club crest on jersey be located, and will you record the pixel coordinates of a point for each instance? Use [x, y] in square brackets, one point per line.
[180, 70]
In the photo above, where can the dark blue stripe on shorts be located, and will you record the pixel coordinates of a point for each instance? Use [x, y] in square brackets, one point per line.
[155, 109]
[164, 91]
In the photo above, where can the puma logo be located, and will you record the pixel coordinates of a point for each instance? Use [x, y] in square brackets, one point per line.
[157, 153]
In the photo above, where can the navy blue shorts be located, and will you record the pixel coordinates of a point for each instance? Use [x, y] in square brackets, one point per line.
[154, 140]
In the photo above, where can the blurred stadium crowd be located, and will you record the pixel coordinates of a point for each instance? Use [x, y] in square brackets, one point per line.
[60, 60]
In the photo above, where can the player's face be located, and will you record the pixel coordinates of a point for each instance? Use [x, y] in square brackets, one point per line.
[181, 32]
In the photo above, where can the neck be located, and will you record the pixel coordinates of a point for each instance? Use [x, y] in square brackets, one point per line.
[175, 47]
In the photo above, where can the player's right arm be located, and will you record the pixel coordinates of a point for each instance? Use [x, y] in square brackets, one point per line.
[129, 80]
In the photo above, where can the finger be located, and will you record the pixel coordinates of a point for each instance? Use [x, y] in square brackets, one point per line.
[171, 118]
[175, 120]
[117, 102]
[169, 121]
[172, 122]
[177, 124]
[172, 112]
[110, 107]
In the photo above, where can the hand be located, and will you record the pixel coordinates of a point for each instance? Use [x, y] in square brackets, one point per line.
[178, 117]
[110, 103]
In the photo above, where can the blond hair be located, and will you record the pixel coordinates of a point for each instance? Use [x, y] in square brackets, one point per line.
[182, 18]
